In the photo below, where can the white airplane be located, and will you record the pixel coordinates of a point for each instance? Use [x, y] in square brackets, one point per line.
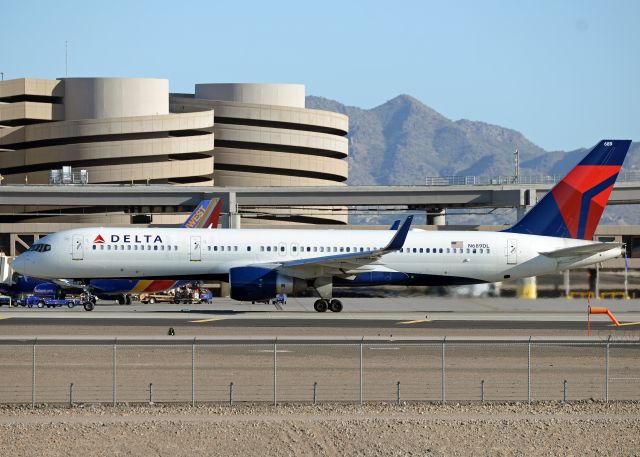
[554, 235]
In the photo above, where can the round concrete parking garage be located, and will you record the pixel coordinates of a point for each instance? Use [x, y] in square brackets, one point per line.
[266, 137]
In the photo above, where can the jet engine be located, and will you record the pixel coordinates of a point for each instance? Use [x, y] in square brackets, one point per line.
[257, 283]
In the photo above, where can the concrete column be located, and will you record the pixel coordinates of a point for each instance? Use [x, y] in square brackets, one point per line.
[528, 288]
[232, 218]
[224, 289]
[436, 216]
[567, 283]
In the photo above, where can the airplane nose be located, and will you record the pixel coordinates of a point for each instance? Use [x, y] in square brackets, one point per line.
[19, 265]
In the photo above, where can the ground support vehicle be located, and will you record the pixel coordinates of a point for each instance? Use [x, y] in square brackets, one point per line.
[50, 302]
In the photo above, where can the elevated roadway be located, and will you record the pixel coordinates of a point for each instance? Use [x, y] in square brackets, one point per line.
[479, 196]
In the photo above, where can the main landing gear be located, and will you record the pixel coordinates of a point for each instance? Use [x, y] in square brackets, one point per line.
[321, 305]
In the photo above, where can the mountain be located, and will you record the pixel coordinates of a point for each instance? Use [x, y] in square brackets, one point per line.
[403, 141]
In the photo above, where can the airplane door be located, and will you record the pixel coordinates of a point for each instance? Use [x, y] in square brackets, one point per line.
[512, 251]
[77, 249]
[196, 249]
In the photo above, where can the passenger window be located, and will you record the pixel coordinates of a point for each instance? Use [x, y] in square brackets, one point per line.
[440, 250]
[474, 251]
[315, 249]
[335, 249]
[481, 251]
[415, 250]
[421, 250]
[102, 247]
[487, 250]
[468, 251]
[428, 250]
[169, 248]
[321, 248]
[268, 248]
[248, 248]
[128, 247]
[341, 249]
[162, 247]
[235, 248]
[94, 247]
[115, 247]
[401, 249]
[294, 249]
[308, 248]
[148, 247]
[448, 250]
[281, 248]
[108, 247]
[175, 248]
[348, 249]
[261, 248]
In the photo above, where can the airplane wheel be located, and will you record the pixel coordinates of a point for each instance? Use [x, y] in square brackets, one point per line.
[320, 306]
[121, 299]
[152, 301]
[41, 304]
[335, 305]
[89, 306]
[127, 299]
[71, 304]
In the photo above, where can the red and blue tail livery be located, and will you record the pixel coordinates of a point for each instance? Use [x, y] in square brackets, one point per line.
[574, 206]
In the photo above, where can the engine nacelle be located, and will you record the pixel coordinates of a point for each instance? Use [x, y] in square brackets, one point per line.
[256, 283]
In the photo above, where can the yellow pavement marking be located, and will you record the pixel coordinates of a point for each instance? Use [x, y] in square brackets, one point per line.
[625, 324]
[202, 321]
[419, 321]
[4, 317]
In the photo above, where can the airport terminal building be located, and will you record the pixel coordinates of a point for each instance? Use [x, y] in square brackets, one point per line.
[124, 131]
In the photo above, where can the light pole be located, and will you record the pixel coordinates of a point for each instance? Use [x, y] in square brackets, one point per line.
[516, 156]
[1, 76]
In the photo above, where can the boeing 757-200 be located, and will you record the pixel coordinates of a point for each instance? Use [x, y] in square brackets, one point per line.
[556, 234]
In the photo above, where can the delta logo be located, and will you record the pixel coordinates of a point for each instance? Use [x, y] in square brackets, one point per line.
[129, 239]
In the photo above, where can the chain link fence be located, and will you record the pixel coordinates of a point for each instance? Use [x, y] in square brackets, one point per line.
[221, 370]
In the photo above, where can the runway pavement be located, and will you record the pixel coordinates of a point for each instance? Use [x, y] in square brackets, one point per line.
[366, 316]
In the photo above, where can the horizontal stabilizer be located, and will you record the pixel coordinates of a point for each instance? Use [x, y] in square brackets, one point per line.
[582, 251]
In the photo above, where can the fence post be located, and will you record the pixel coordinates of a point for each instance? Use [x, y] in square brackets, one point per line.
[275, 372]
[443, 391]
[361, 370]
[398, 393]
[231, 394]
[70, 395]
[150, 393]
[193, 372]
[482, 391]
[33, 374]
[315, 392]
[529, 372]
[115, 375]
[606, 372]
[564, 391]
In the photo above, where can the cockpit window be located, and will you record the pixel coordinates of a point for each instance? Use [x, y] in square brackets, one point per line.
[40, 247]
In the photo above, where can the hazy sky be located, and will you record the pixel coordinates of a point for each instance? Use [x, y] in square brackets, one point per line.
[565, 73]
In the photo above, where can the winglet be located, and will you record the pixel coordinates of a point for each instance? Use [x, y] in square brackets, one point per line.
[399, 238]
[395, 225]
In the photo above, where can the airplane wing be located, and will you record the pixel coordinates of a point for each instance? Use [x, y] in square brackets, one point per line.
[340, 264]
[581, 251]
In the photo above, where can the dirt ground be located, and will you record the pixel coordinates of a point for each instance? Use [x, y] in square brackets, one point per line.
[585, 428]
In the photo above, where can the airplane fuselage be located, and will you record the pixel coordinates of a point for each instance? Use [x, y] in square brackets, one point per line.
[427, 258]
